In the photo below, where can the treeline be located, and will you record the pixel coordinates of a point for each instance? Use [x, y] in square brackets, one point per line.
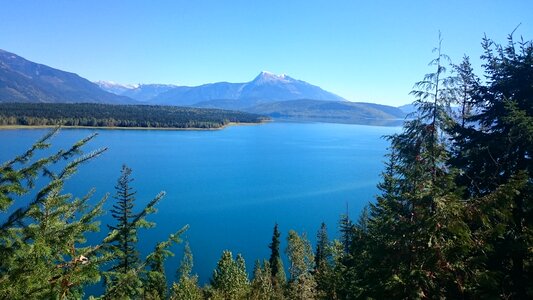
[453, 218]
[107, 115]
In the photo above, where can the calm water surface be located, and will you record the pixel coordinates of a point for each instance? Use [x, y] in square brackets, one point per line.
[231, 185]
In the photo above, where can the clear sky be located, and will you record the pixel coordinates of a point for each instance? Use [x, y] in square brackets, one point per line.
[362, 50]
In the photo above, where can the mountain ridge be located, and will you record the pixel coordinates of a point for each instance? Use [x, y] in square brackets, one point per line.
[266, 86]
[22, 80]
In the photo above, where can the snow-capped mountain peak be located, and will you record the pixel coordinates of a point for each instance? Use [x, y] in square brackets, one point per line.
[115, 88]
[266, 76]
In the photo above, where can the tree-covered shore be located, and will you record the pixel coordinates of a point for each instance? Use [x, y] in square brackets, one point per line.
[453, 219]
[121, 116]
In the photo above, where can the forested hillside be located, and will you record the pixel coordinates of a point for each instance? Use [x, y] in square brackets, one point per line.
[106, 115]
[453, 219]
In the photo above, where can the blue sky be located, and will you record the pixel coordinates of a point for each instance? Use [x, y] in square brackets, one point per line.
[369, 51]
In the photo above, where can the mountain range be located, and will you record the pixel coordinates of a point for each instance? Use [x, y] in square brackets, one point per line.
[266, 87]
[24, 81]
[279, 96]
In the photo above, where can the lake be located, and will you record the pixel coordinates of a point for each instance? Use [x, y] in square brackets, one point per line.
[232, 185]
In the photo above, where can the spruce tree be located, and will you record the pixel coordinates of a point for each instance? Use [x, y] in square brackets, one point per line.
[43, 250]
[122, 212]
[323, 265]
[413, 243]
[302, 284]
[125, 277]
[261, 286]
[495, 156]
[276, 265]
[322, 248]
[155, 286]
[230, 280]
[465, 85]
[186, 288]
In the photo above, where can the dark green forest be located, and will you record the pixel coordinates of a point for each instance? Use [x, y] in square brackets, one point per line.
[453, 218]
[107, 115]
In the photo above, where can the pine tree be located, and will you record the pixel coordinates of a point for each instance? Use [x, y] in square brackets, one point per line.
[496, 155]
[230, 280]
[414, 241]
[302, 284]
[261, 286]
[322, 254]
[43, 251]
[323, 265]
[187, 286]
[123, 213]
[124, 278]
[276, 265]
[466, 83]
[156, 280]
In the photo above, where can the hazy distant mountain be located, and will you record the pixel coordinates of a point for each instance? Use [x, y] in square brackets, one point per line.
[407, 108]
[331, 111]
[115, 88]
[139, 92]
[266, 87]
[25, 81]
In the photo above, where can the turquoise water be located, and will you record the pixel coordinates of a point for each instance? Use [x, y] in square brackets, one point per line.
[231, 185]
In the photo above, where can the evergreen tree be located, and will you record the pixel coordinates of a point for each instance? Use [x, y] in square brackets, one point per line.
[275, 254]
[124, 279]
[230, 280]
[276, 265]
[414, 241]
[156, 280]
[122, 212]
[466, 83]
[323, 265]
[43, 251]
[496, 156]
[261, 286]
[322, 247]
[302, 284]
[187, 286]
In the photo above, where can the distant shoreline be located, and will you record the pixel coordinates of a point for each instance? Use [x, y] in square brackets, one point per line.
[13, 127]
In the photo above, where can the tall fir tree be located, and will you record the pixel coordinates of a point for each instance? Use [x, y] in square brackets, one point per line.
[413, 242]
[186, 288]
[261, 286]
[302, 284]
[125, 276]
[465, 85]
[322, 255]
[122, 212]
[230, 280]
[155, 286]
[279, 278]
[496, 156]
[43, 250]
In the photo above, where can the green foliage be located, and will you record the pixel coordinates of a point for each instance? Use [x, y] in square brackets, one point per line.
[261, 286]
[302, 284]
[43, 251]
[230, 280]
[122, 277]
[187, 287]
[453, 218]
[156, 280]
[107, 115]
[277, 269]
[122, 212]
[495, 156]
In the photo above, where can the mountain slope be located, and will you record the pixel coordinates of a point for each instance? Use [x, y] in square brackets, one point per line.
[266, 87]
[139, 92]
[25, 81]
[331, 111]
